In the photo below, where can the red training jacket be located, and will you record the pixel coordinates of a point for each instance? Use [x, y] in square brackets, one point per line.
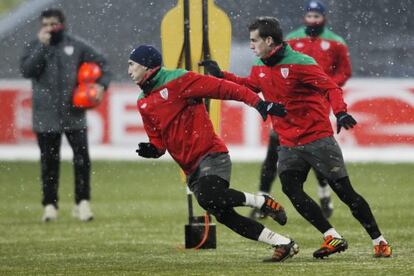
[300, 84]
[328, 49]
[173, 119]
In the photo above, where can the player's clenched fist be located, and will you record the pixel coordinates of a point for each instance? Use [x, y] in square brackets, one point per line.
[148, 150]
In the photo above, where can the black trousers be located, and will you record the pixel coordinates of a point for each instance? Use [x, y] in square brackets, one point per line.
[49, 144]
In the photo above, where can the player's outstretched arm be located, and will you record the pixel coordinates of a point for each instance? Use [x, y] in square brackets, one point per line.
[212, 68]
[201, 86]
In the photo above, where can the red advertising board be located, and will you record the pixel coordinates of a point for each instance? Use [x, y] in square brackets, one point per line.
[384, 109]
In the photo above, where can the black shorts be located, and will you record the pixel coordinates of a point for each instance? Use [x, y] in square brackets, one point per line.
[324, 155]
[218, 164]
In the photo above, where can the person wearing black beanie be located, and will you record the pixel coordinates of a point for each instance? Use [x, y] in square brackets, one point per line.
[147, 56]
[177, 121]
[150, 61]
[315, 18]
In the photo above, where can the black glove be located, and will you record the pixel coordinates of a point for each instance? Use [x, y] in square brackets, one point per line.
[212, 68]
[345, 120]
[148, 150]
[269, 108]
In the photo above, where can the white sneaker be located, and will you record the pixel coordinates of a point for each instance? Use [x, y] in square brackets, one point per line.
[50, 213]
[83, 211]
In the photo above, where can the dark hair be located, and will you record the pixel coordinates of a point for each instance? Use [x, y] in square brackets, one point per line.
[268, 26]
[53, 13]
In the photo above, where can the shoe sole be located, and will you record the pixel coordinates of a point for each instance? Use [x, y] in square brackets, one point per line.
[88, 219]
[382, 256]
[292, 252]
[280, 217]
[49, 219]
[339, 249]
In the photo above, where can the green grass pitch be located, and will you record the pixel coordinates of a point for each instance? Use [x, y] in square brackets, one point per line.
[140, 211]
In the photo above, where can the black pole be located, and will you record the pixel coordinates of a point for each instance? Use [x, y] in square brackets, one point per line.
[206, 49]
[193, 231]
[187, 57]
[187, 46]
[206, 44]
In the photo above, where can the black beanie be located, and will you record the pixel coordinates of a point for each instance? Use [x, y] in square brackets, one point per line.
[147, 56]
[315, 6]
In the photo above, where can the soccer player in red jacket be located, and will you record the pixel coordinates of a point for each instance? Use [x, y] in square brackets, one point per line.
[306, 136]
[331, 53]
[176, 120]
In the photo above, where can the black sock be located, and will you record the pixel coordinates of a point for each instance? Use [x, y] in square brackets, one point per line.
[358, 205]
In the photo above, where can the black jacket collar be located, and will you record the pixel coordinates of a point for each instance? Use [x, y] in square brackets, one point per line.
[149, 84]
[276, 57]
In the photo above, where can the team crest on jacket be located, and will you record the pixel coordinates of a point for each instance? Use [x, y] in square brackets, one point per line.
[299, 45]
[325, 45]
[284, 72]
[164, 93]
[69, 50]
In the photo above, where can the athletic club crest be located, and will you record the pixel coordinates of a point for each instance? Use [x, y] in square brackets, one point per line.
[325, 45]
[284, 72]
[299, 45]
[164, 93]
[69, 50]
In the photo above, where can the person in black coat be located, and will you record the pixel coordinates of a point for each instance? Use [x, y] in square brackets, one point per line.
[51, 62]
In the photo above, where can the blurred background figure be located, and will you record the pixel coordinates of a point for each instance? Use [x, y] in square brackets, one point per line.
[51, 62]
[331, 53]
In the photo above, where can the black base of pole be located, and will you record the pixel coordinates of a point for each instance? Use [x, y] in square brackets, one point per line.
[194, 234]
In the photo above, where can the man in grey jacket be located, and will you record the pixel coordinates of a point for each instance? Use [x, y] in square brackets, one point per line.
[51, 62]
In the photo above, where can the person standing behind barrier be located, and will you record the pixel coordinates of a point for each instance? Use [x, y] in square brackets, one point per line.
[331, 53]
[51, 62]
